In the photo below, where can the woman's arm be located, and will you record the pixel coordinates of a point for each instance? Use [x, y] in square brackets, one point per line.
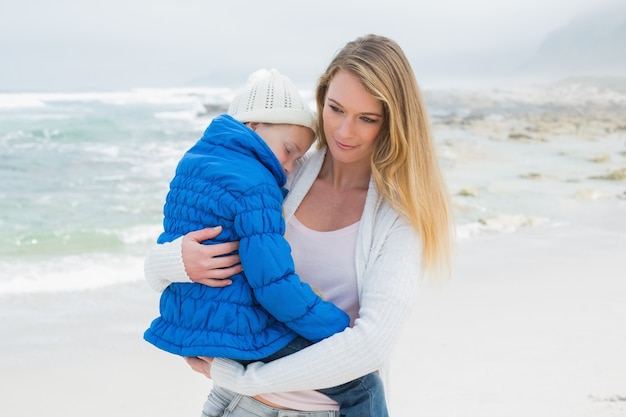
[186, 259]
[388, 289]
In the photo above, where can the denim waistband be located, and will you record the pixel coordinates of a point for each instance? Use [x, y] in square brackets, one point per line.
[259, 409]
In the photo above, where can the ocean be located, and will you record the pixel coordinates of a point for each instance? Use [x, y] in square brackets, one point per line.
[83, 176]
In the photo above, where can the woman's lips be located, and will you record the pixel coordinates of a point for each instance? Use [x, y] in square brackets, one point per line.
[343, 146]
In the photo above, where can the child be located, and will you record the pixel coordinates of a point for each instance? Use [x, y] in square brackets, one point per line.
[234, 177]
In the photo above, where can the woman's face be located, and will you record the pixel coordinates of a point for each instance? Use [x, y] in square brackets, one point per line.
[352, 119]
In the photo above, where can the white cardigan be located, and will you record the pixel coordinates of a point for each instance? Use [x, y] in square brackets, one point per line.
[387, 260]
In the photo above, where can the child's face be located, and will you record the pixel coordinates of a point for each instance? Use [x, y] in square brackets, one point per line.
[288, 142]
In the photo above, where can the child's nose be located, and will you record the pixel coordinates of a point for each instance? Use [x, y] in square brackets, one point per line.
[287, 166]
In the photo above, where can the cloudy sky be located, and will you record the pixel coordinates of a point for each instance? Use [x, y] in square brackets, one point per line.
[70, 45]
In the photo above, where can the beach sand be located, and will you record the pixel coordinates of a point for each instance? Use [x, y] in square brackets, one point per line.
[82, 353]
[532, 323]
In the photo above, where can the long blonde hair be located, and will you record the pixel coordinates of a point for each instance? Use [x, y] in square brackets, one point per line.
[404, 163]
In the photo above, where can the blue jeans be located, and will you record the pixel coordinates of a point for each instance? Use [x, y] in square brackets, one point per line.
[362, 397]
[225, 403]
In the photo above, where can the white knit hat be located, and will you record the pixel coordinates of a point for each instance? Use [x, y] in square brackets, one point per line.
[270, 97]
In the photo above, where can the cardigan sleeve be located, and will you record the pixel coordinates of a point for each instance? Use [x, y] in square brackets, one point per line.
[387, 293]
[164, 265]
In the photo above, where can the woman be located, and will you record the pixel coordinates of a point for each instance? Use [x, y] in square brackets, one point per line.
[367, 214]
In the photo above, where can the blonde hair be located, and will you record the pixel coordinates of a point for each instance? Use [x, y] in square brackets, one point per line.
[404, 163]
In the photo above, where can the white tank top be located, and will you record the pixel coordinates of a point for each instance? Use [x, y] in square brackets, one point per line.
[326, 261]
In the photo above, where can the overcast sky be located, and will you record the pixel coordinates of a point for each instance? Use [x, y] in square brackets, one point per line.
[69, 45]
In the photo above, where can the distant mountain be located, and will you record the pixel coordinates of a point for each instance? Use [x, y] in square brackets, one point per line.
[593, 44]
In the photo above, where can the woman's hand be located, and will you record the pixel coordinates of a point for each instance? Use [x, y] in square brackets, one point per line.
[207, 264]
[201, 364]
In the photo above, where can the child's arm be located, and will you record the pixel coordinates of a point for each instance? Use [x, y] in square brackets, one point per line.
[266, 260]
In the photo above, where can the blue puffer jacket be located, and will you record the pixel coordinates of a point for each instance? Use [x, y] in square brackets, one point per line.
[230, 177]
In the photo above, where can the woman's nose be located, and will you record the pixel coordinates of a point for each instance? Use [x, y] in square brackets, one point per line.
[347, 128]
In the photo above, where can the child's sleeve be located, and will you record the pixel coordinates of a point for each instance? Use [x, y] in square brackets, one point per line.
[268, 266]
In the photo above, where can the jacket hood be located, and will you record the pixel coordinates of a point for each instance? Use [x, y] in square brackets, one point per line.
[226, 132]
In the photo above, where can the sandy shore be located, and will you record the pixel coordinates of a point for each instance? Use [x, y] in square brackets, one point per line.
[531, 324]
[80, 354]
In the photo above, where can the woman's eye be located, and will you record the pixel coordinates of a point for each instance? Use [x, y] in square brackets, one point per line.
[334, 108]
